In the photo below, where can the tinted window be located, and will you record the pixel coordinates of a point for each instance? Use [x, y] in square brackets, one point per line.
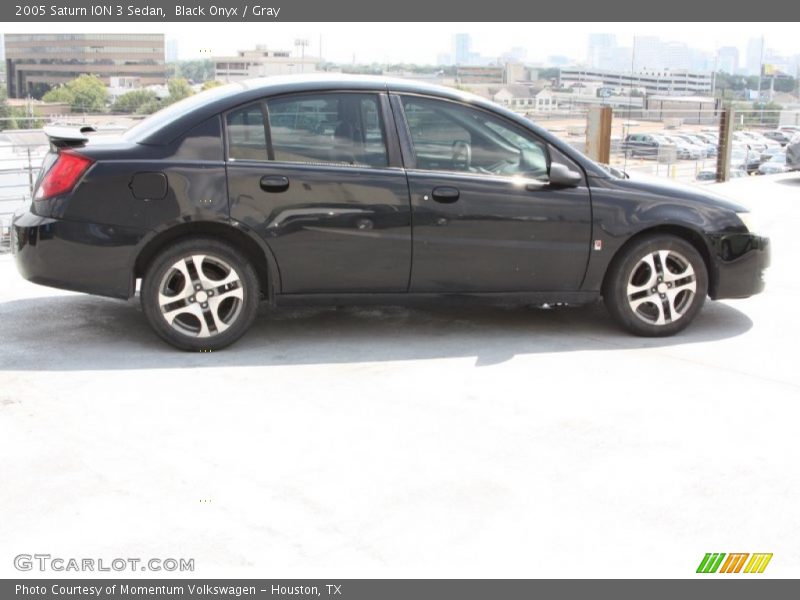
[167, 115]
[328, 128]
[451, 137]
[246, 133]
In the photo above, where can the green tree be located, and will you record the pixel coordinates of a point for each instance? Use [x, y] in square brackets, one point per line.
[178, 90]
[134, 101]
[194, 70]
[211, 83]
[61, 93]
[84, 94]
[7, 120]
[149, 107]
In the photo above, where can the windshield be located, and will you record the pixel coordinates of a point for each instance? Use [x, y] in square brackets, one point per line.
[157, 120]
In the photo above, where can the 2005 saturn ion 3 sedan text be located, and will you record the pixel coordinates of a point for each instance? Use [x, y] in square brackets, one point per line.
[352, 190]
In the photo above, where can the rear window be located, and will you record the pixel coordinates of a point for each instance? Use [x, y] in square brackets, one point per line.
[166, 115]
[340, 128]
[247, 139]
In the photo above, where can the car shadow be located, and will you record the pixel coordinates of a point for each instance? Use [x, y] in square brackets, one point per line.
[795, 181]
[74, 332]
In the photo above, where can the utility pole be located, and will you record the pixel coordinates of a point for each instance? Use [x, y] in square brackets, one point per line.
[302, 43]
[760, 70]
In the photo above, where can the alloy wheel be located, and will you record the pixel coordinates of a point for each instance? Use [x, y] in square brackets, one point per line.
[200, 295]
[661, 287]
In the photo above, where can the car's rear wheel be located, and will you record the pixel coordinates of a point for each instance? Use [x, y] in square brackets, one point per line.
[200, 294]
[656, 286]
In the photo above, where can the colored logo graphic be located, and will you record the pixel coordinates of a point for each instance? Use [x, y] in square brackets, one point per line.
[734, 562]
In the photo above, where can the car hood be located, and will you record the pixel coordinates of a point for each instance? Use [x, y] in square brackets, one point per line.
[674, 190]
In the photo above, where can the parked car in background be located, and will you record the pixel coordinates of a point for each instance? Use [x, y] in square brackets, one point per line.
[742, 138]
[776, 164]
[708, 149]
[782, 137]
[710, 175]
[770, 152]
[349, 190]
[745, 159]
[686, 150]
[764, 142]
[709, 138]
[644, 145]
[793, 153]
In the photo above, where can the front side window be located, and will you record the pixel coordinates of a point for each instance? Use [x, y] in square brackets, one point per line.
[339, 128]
[451, 137]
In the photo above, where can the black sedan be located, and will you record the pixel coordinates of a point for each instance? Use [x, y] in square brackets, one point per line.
[352, 190]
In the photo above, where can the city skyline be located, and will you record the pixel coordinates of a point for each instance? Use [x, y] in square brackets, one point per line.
[432, 40]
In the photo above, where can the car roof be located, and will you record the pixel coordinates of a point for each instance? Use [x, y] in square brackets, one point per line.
[180, 117]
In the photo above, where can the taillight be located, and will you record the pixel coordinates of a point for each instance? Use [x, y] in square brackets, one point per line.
[63, 175]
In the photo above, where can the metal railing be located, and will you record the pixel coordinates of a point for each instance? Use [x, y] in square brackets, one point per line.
[22, 150]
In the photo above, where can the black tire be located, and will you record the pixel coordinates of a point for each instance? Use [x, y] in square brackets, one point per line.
[661, 305]
[233, 309]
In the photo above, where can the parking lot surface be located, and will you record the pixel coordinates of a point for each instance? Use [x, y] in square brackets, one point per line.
[397, 442]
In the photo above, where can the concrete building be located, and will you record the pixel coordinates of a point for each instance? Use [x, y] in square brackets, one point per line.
[666, 82]
[516, 72]
[261, 62]
[525, 97]
[470, 75]
[687, 109]
[36, 62]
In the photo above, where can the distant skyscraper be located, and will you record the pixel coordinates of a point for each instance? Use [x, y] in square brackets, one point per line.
[171, 50]
[648, 53]
[755, 51]
[728, 59]
[516, 54]
[462, 48]
[600, 44]
[675, 55]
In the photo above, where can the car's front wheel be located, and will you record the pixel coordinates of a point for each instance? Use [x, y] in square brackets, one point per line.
[200, 294]
[656, 286]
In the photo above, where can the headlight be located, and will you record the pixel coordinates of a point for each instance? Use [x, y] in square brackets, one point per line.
[750, 221]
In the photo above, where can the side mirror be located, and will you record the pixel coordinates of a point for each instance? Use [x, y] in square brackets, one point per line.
[562, 175]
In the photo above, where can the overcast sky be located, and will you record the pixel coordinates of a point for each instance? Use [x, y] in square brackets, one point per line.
[422, 42]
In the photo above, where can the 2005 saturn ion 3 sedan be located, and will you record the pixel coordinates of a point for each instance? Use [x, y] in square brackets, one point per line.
[352, 190]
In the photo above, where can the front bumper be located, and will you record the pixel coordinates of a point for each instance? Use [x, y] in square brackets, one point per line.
[740, 262]
[82, 257]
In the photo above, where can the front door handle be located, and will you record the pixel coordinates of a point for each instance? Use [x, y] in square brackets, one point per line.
[445, 194]
[274, 183]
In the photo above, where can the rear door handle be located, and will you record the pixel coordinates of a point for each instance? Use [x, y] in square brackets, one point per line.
[445, 194]
[274, 183]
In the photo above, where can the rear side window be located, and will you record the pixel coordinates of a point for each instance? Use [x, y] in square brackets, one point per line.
[247, 139]
[328, 128]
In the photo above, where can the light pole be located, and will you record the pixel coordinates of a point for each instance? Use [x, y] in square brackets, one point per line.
[302, 43]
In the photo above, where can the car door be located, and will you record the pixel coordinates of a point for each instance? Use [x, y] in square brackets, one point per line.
[485, 217]
[319, 177]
